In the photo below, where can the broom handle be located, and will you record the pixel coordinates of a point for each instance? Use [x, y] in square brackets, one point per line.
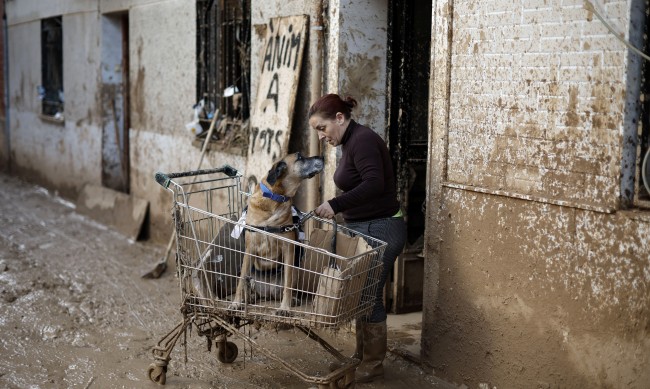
[203, 150]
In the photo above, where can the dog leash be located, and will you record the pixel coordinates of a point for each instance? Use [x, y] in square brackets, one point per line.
[305, 216]
[288, 227]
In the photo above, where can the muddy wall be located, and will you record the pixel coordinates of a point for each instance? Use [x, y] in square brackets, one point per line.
[58, 154]
[355, 65]
[539, 278]
[162, 89]
[66, 155]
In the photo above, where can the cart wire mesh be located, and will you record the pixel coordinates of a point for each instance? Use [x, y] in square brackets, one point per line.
[335, 270]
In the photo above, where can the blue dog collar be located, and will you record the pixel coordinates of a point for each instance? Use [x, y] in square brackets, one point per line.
[266, 192]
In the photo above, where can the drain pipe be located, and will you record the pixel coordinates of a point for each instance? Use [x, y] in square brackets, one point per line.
[315, 88]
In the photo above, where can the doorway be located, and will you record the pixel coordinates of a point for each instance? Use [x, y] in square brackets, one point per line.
[115, 102]
[409, 68]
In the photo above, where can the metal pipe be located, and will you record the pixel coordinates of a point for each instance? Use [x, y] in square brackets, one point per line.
[316, 87]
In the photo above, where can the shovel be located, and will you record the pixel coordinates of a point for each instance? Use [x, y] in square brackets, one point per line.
[160, 267]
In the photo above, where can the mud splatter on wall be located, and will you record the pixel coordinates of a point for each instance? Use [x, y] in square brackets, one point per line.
[536, 294]
[543, 280]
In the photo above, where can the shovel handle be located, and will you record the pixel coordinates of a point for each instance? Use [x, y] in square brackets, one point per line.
[165, 178]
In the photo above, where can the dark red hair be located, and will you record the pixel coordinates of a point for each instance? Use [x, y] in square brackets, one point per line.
[327, 106]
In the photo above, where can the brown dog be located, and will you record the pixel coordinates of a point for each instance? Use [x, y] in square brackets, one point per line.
[269, 209]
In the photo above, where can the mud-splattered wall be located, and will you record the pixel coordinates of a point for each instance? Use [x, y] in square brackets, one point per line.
[538, 295]
[66, 155]
[539, 279]
[355, 61]
[58, 154]
[162, 78]
[361, 64]
[545, 85]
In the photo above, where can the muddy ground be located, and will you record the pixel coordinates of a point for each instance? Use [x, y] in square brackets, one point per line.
[74, 312]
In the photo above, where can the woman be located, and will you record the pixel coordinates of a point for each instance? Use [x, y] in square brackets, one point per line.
[368, 205]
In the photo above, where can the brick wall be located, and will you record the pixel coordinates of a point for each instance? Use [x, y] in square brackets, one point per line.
[536, 98]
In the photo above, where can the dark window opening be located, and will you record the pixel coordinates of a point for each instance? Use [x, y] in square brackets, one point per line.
[223, 67]
[643, 172]
[408, 61]
[51, 90]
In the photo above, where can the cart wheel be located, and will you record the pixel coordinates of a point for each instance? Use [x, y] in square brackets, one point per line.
[227, 352]
[157, 374]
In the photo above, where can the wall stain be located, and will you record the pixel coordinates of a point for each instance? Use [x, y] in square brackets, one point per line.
[361, 73]
[138, 94]
[572, 117]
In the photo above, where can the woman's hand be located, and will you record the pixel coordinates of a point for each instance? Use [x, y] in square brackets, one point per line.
[325, 211]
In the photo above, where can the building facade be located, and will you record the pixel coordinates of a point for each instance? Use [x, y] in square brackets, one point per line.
[518, 131]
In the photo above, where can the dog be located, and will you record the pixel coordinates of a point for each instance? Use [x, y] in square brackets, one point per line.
[270, 209]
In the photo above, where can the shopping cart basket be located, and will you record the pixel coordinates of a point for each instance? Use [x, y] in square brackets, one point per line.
[336, 274]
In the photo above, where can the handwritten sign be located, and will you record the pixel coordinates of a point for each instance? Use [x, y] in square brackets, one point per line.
[272, 112]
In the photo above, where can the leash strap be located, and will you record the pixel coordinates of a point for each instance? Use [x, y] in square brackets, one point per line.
[275, 230]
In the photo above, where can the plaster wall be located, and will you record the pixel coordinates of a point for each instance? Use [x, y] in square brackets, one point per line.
[363, 40]
[538, 278]
[545, 83]
[60, 155]
[163, 90]
[65, 156]
[355, 66]
[539, 295]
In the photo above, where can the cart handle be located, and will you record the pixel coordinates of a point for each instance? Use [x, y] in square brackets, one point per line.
[165, 178]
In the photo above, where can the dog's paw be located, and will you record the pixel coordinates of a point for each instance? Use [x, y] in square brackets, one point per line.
[236, 306]
[284, 312]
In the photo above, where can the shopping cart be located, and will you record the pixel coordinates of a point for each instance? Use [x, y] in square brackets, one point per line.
[336, 274]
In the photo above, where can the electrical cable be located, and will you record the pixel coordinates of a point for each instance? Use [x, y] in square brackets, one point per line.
[590, 7]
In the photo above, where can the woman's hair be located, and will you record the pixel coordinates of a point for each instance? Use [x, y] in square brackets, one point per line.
[327, 106]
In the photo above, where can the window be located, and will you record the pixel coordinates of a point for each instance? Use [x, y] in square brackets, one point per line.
[223, 58]
[51, 89]
[640, 39]
[635, 162]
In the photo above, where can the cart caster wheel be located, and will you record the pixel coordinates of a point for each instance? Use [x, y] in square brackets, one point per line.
[227, 353]
[157, 374]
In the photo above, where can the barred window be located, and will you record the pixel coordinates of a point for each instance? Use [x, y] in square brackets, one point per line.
[51, 89]
[223, 55]
[640, 135]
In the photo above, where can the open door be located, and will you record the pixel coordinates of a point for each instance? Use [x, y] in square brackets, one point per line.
[409, 67]
[115, 123]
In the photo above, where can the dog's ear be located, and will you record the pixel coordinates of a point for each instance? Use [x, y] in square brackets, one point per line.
[276, 172]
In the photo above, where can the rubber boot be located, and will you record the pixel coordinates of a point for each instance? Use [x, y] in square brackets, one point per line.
[374, 352]
[358, 350]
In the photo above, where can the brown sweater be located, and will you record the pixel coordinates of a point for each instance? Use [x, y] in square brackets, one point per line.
[365, 175]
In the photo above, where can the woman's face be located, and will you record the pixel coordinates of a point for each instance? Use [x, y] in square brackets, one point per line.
[328, 129]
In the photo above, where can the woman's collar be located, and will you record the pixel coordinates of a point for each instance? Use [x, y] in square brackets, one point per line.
[348, 131]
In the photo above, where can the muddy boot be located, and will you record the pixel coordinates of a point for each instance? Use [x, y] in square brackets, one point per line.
[358, 350]
[374, 352]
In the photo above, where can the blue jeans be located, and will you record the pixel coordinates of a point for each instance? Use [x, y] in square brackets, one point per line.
[391, 230]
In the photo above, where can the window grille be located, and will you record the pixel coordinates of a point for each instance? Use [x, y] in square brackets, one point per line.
[51, 90]
[223, 55]
[642, 196]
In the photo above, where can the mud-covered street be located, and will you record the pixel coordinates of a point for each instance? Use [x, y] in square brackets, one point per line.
[75, 313]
